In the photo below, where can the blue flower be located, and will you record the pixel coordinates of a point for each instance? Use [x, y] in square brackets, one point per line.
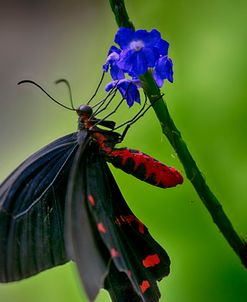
[163, 70]
[128, 90]
[111, 61]
[140, 50]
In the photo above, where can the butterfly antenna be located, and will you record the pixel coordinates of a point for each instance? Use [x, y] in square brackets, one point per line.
[41, 88]
[97, 88]
[66, 82]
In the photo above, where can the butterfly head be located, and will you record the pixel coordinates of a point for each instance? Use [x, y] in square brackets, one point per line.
[85, 111]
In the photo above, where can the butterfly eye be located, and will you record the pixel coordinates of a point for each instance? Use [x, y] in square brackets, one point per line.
[84, 110]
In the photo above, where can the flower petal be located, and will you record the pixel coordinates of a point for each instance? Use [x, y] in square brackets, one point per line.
[163, 70]
[124, 36]
[116, 72]
[162, 47]
[149, 38]
[128, 90]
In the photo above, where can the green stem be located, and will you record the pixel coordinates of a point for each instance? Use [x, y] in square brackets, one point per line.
[174, 136]
[121, 15]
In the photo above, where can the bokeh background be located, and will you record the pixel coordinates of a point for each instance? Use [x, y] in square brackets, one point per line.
[46, 40]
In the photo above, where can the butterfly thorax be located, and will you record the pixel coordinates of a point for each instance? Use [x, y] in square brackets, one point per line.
[88, 125]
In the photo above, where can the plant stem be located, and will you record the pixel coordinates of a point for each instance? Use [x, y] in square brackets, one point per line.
[121, 15]
[174, 136]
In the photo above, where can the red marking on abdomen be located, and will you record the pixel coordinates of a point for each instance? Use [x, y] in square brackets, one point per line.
[101, 228]
[145, 167]
[91, 200]
[151, 260]
[144, 286]
[106, 140]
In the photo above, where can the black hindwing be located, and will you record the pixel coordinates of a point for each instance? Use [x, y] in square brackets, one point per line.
[116, 248]
[83, 241]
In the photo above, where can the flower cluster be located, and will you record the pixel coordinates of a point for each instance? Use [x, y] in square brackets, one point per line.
[139, 51]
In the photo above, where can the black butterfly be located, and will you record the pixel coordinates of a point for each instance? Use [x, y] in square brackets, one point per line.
[63, 204]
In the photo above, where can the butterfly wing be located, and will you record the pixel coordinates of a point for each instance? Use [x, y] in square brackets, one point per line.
[32, 202]
[83, 241]
[133, 250]
[113, 246]
[147, 261]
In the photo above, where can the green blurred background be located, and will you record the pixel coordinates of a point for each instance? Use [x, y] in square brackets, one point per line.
[47, 40]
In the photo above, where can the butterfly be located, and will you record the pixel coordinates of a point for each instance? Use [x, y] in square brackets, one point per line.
[63, 204]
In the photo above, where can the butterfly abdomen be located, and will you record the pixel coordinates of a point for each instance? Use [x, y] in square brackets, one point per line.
[144, 167]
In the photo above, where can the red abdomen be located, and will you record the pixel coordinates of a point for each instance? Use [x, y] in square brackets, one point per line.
[144, 167]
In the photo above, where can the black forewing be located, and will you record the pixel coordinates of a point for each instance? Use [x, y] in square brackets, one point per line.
[32, 202]
[138, 261]
[83, 242]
